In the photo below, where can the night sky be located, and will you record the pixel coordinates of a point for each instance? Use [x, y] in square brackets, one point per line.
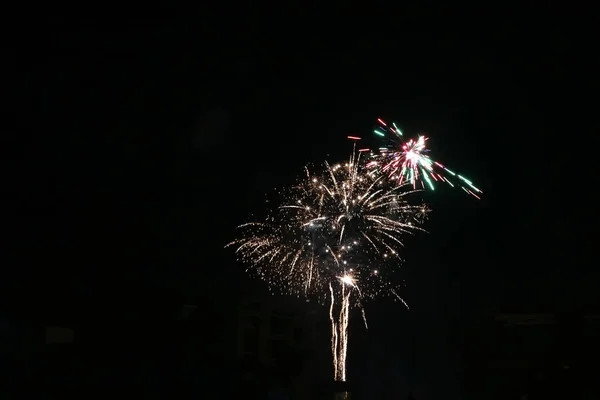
[137, 147]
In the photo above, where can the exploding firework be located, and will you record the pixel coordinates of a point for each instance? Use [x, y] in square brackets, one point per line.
[407, 160]
[333, 238]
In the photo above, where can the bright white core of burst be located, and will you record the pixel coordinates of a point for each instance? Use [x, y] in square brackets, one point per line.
[347, 279]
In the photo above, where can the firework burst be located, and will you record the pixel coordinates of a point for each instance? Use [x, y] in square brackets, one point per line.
[341, 221]
[407, 160]
[332, 238]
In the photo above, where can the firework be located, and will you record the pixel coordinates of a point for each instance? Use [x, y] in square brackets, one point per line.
[407, 160]
[332, 237]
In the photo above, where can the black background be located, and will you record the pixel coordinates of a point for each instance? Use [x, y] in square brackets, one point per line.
[135, 146]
